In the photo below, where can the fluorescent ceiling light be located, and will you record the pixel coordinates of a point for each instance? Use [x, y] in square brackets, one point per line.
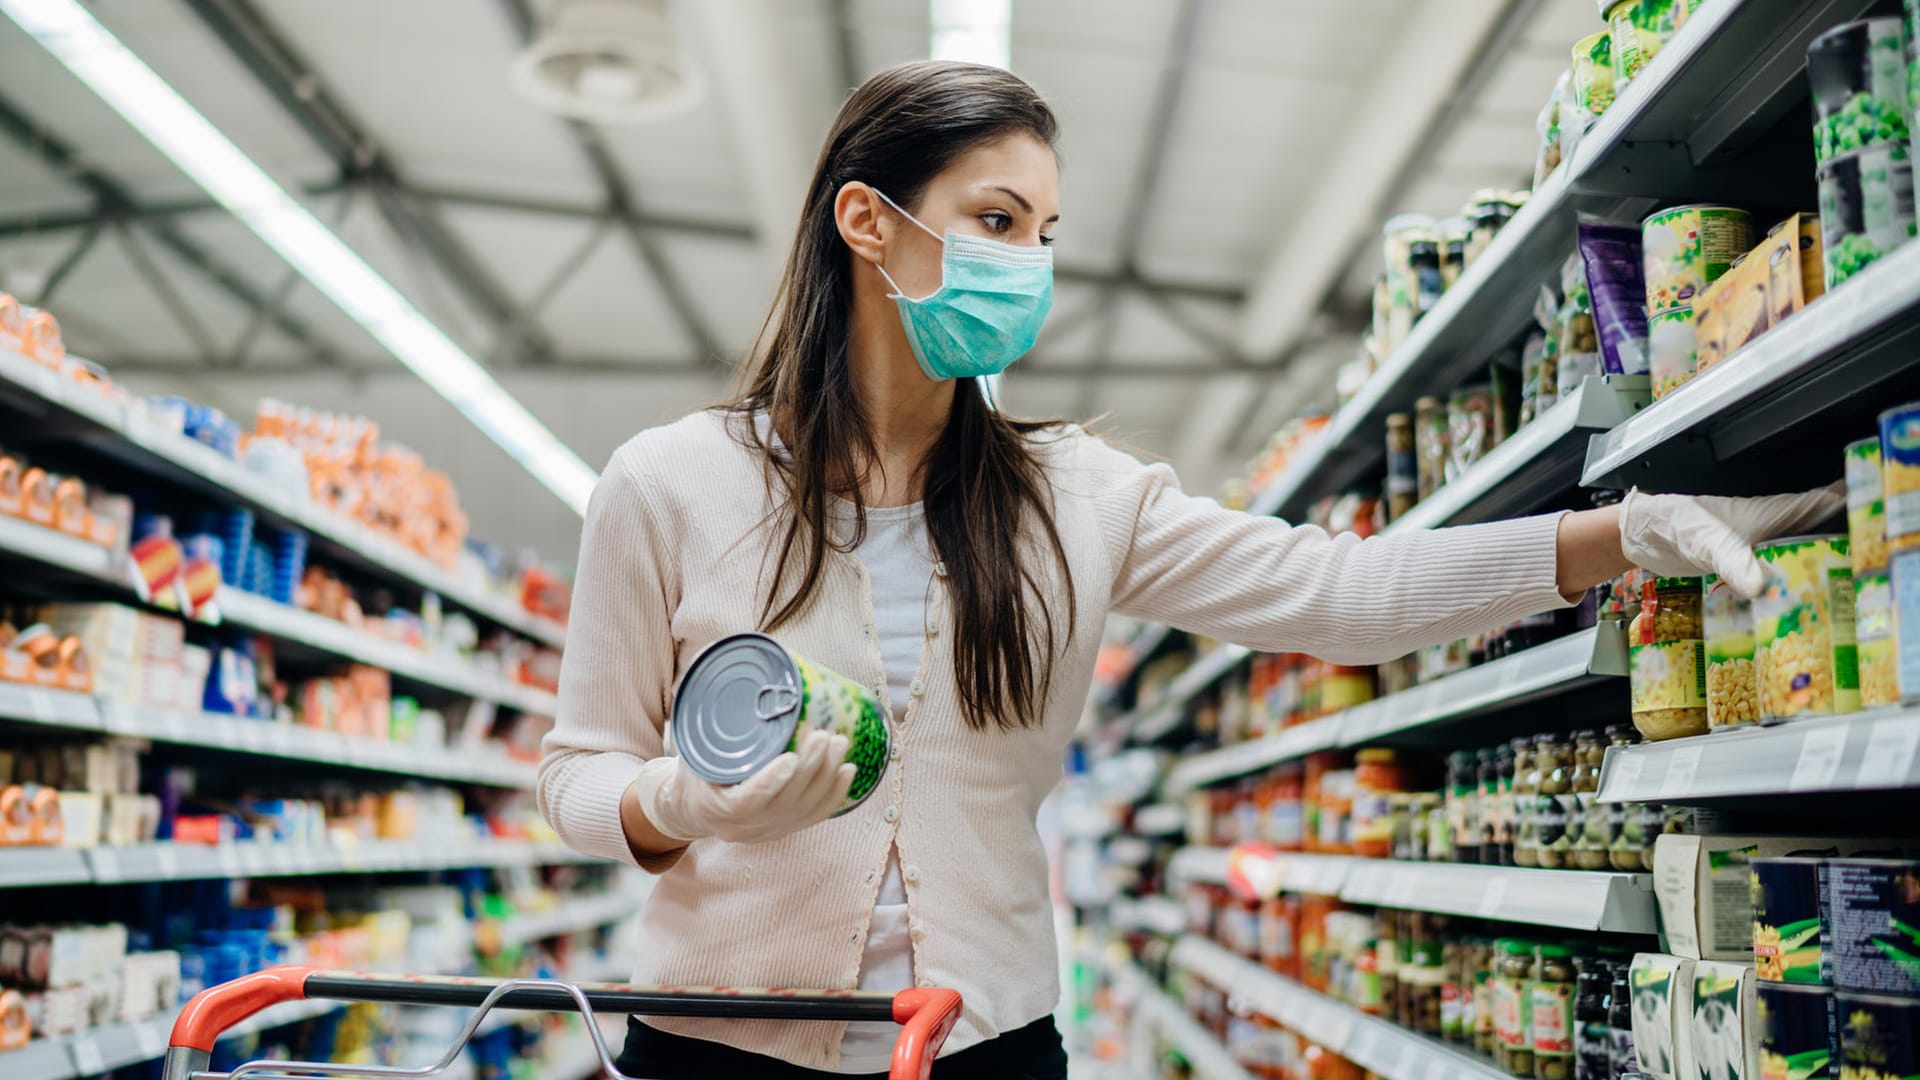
[976, 31]
[201, 151]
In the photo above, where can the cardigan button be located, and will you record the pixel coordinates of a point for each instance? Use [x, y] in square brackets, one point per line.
[893, 749]
[911, 873]
[891, 814]
[918, 933]
[917, 688]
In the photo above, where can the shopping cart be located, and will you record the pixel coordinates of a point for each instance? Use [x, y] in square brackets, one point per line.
[925, 1016]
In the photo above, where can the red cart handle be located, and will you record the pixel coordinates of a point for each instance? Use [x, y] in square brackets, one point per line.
[926, 1016]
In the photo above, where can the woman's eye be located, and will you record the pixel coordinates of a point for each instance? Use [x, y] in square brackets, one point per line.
[998, 223]
[1046, 241]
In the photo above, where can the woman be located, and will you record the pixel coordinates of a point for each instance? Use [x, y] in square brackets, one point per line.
[862, 502]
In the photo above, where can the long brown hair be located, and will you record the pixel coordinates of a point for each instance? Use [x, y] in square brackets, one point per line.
[982, 480]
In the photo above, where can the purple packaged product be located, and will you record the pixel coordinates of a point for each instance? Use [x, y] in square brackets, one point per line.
[1618, 286]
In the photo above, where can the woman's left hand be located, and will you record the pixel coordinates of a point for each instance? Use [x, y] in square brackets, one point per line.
[1685, 535]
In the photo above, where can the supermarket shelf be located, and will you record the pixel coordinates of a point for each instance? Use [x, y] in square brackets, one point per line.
[79, 712]
[1160, 721]
[1858, 752]
[129, 436]
[1834, 353]
[571, 916]
[1152, 914]
[1551, 668]
[52, 548]
[1368, 1041]
[328, 635]
[1154, 1009]
[190, 862]
[1720, 84]
[1484, 310]
[1557, 666]
[1574, 899]
[1539, 461]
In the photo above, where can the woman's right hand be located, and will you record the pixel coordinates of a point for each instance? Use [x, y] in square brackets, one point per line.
[799, 788]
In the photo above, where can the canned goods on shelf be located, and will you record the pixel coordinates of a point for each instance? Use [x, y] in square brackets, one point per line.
[1686, 248]
[1859, 79]
[1672, 349]
[1804, 645]
[1866, 208]
[1866, 506]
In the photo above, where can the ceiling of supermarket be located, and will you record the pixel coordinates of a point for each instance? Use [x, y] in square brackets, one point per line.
[1225, 162]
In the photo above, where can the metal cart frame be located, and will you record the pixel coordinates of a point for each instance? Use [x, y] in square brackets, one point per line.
[926, 1016]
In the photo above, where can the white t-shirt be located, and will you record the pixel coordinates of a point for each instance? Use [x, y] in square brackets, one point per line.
[899, 559]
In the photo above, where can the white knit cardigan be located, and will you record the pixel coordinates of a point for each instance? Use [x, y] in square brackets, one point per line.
[677, 536]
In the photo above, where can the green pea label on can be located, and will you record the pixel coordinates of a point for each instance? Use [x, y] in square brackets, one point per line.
[1866, 208]
[746, 699]
[1859, 79]
[1686, 248]
[1638, 28]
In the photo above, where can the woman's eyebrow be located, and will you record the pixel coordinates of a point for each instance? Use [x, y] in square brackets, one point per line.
[1025, 206]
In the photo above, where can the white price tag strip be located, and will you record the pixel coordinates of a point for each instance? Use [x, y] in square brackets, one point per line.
[1626, 767]
[1682, 764]
[1890, 751]
[1493, 897]
[1820, 751]
[41, 704]
[152, 1040]
[88, 1059]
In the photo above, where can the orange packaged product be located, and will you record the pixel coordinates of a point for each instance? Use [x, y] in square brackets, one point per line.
[12, 494]
[70, 661]
[1377, 775]
[15, 824]
[1280, 935]
[36, 496]
[1284, 825]
[40, 339]
[44, 824]
[70, 507]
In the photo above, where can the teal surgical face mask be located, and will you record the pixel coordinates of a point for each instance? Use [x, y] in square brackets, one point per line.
[987, 312]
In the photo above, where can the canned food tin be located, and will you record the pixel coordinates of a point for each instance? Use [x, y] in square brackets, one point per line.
[1899, 471]
[1786, 919]
[1798, 1037]
[1873, 622]
[1639, 28]
[1866, 506]
[1671, 349]
[1593, 75]
[1866, 208]
[1859, 79]
[1870, 924]
[1805, 655]
[1733, 693]
[1876, 1036]
[746, 699]
[1685, 248]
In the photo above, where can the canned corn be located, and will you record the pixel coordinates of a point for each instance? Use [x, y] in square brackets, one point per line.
[1733, 693]
[1866, 507]
[1805, 654]
[1873, 619]
[1900, 471]
[746, 699]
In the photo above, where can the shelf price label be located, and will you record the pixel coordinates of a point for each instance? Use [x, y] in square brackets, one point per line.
[1681, 767]
[1493, 897]
[1821, 749]
[1891, 745]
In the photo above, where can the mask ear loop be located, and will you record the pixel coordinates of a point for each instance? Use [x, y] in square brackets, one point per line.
[897, 294]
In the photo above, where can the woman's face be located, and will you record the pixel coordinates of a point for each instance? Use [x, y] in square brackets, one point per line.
[1006, 190]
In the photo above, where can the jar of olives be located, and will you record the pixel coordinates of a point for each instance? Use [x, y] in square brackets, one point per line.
[1480, 962]
[1589, 825]
[1526, 785]
[1463, 806]
[1667, 659]
[1553, 805]
[1554, 981]
[1513, 1006]
[1626, 848]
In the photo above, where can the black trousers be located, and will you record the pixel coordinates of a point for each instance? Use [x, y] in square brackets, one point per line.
[1031, 1053]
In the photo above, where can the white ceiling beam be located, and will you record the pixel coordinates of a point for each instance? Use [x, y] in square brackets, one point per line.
[746, 57]
[1438, 46]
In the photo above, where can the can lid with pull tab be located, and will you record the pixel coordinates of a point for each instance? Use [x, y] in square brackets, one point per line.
[737, 708]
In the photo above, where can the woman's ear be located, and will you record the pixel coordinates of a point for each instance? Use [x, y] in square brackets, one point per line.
[857, 214]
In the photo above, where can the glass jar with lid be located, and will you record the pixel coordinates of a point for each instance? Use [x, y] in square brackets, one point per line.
[1526, 785]
[1553, 990]
[1589, 823]
[1513, 1006]
[1554, 805]
[1462, 806]
[1377, 776]
[1667, 659]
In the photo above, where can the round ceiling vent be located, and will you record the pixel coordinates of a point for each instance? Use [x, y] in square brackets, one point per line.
[608, 61]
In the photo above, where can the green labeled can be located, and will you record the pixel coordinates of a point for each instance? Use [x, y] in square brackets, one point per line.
[1686, 248]
[1673, 354]
[1866, 208]
[1786, 919]
[1858, 72]
[1798, 1037]
[1639, 28]
[1805, 651]
[1878, 645]
[746, 699]
[1866, 505]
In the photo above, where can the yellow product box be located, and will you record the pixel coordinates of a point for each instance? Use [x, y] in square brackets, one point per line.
[1781, 275]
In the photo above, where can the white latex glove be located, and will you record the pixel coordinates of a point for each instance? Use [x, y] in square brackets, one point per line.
[1685, 535]
[799, 788]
